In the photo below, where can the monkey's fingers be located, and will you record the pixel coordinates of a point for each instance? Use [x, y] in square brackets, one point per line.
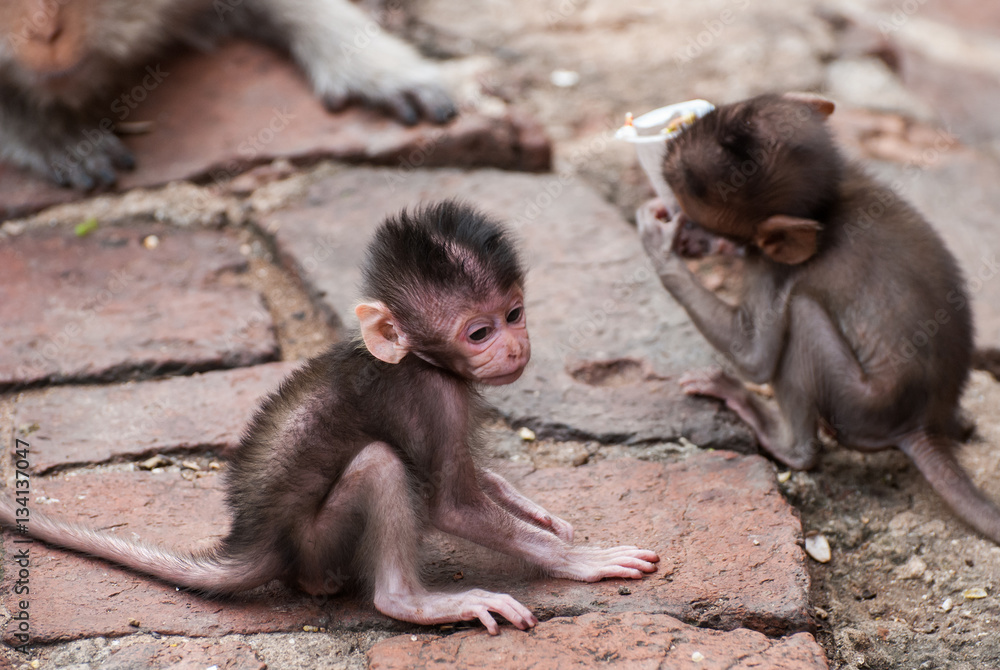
[434, 102]
[657, 234]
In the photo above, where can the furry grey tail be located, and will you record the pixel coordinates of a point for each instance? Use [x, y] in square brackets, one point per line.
[210, 572]
[934, 457]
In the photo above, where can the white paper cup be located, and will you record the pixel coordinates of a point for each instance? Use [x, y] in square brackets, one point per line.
[648, 133]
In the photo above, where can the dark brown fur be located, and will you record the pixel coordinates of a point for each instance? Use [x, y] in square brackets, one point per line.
[345, 466]
[853, 310]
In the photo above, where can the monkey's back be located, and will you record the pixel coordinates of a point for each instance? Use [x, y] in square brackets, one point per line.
[305, 434]
[900, 297]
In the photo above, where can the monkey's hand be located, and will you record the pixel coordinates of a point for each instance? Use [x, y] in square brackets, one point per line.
[592, 564]
[350, 59]
[657, 234]
[55, 144]
[423, 607]
[504, 494]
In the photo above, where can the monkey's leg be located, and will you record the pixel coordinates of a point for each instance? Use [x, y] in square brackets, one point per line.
[786, 429]
[57, 144]
[347, 56]
[471, 514]
[375, 488]
[508, 497]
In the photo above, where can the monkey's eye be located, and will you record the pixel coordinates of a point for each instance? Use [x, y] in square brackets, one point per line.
[515, 315]
[480, 334]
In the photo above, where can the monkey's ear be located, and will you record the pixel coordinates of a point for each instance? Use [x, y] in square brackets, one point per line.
[818, 103]
[383, 338]
[787, 239]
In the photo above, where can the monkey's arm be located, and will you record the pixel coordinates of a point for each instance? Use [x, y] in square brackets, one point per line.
[55, 143]
[348, 56]
[508, 497]
[462, 508]
[751, 335]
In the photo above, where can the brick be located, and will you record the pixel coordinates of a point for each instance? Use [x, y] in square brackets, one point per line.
[74, 426]
[633, 640]
[703, 517]
[218, 114]
[104, 307]
[621, 342]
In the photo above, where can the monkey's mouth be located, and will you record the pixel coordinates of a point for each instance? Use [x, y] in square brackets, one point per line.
[500, 380]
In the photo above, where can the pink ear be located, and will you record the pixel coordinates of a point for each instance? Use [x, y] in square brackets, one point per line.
[787, 239]
[818, 103]
[382, 337]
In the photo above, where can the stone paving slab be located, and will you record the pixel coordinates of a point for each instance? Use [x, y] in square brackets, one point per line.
[104, 306]
[725, 534]
[633, 640]
[74, 426]
[216, 114]
[604, 332]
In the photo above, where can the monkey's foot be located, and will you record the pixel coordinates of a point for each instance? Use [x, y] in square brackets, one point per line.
[714, 383]
[69, 154]
[425, 608]
[592, 564]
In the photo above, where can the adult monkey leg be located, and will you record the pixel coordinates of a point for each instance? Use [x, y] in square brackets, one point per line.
[375, 489]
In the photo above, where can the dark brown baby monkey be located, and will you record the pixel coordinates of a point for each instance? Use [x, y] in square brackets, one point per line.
[346, 466]
[853, 309]
[63, 62]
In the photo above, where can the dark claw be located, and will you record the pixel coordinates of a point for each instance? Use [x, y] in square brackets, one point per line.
[403, 109]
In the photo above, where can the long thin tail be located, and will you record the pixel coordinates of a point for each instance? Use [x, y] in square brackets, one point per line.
[934, 457]
[210, 572]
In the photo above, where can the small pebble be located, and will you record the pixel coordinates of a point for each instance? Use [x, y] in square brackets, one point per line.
[821, 613]
[697, 657]
[154, 462]
[624, 591]
[818, 548]
[310, 629]
[457, 576]
[564, 78]
[947, 605]
[190, 465]
[974, 594]
[526, 434]
[912, 569]
[134, 623]
[784, 476]
[151, 241]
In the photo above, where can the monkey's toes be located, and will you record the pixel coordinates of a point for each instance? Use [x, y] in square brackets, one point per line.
[713, 383]
[428, 102]
[435, 103]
